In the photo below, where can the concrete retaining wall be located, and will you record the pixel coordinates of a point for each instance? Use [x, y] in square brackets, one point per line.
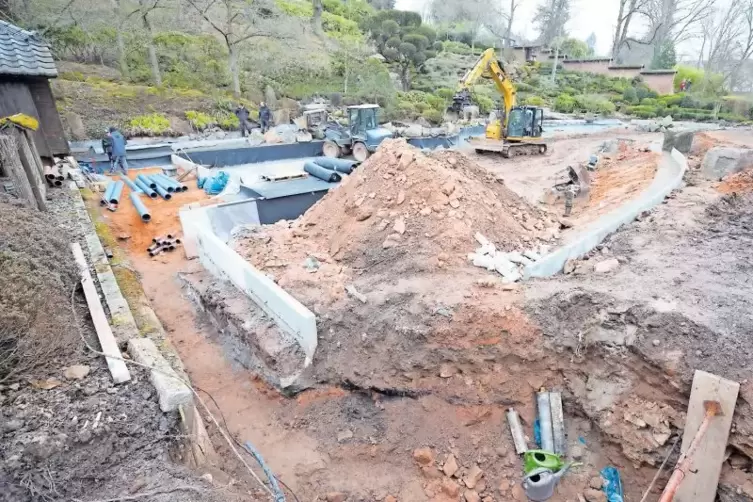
[668, 177]
[289, 314]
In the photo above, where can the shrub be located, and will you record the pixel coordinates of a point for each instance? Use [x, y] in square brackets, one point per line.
[671, 99]
[564, 103]
[406, 109]
[227, 121]
[445, 93]
[456, 47]
[649, 101]
[199, 120]
[732, 117]
[149, 125]
[433, 116]
[485, 104]
[535, 101]
[523, 87]
[642, 111]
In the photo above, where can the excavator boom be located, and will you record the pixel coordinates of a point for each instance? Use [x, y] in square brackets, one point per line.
[487, 66]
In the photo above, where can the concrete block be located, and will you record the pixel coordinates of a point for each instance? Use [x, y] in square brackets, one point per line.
[721, 161]
[682, 141]
[289, 314]
[193, 220]
[172, 392]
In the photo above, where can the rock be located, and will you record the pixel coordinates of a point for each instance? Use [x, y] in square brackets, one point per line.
[400, 197]
[606, 266]
[488, 498]
[721, 161]
[450, 466]
[364, 214]
[504, 485]
[390, 498]
[454, 203]
[75, 126]
[84, 436]
[425, 211]
[569, 267]
[473, 476]
[46, 384]
[447, 370]
[336, 497]
[450, 487]
[138, 484]
[448, 188]
[76, 372]
[471, 496]
[14, 386]
[399, 226]
[431, 472]
[656, 343]
[271, 137]
[424, 456]
[518, 493]
[123, 237]
[207, 477]
[596, 482]
[344, 435]
[682, 141]
[592, 495]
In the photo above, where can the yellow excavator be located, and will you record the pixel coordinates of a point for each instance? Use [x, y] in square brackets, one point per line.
[514, 130]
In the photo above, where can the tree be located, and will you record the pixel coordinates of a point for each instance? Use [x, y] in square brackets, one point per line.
[591, 43]
[240, 21]
[666, 57]
[403, 41]
[382, 4]
[727, 41]
[470, 13]
[574, 48]
[550, 19]
[316, 18]
[499, 23]
[145, 8]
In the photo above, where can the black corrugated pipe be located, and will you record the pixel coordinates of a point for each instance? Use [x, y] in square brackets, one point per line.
[321, 172]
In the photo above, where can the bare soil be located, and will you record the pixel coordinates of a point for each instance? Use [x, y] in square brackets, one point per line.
[433, 359]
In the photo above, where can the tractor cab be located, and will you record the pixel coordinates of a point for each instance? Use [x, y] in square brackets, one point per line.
[361, 137]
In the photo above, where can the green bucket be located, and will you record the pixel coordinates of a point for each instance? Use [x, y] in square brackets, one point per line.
[537, 459]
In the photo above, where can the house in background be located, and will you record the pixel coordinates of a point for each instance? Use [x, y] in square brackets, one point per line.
[26, 67]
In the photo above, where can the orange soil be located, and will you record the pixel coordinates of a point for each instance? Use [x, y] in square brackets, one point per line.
[126, 220]
[739, 182]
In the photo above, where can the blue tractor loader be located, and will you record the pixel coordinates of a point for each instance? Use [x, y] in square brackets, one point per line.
[360, 137]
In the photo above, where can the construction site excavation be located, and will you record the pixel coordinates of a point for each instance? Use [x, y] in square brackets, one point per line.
[447, 325]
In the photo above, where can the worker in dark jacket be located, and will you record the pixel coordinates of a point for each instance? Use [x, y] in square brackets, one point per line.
[265, 117]
[118, 151]
[107, 146]
[242, 113]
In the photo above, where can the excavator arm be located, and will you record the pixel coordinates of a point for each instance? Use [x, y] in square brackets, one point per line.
[487, 66]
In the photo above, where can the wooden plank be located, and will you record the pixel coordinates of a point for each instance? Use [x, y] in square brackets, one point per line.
[701, 482]
[12, 166]
[118, 368]
[32, 166]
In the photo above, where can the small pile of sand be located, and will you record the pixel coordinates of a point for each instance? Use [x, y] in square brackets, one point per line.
[400, 213]
[741, 182]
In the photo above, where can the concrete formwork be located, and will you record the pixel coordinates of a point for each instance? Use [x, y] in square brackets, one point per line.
[668, 177]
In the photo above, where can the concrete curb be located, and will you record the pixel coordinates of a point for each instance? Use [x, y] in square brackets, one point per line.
[121, 319]
[171, 391]
[224, 263]
[668, 177]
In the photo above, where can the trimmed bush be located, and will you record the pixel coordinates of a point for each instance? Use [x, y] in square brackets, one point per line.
[564, 103]
[154, 124]
[433, 116]
[200, 120]
[535, 101]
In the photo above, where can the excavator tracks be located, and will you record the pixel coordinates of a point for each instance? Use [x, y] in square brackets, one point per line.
[483, 145]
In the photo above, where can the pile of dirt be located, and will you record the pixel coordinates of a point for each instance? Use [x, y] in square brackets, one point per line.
[741, 182]
[38, 276]
[402, 213]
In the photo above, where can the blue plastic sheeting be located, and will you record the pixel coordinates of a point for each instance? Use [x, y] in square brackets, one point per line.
[217, 184]
[253, 154]
[612, 484]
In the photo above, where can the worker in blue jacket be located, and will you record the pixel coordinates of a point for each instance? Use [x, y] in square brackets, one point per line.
[118, 150]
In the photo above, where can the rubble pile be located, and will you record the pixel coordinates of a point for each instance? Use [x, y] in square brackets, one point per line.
[401, 212]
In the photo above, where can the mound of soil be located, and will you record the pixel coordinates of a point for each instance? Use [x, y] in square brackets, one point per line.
[741, 182]
[401, 214]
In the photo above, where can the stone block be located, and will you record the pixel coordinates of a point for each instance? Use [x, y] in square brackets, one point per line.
[722, 161]
[172, 392]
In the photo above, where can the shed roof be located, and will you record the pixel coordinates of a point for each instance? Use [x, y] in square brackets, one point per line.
[24, 53]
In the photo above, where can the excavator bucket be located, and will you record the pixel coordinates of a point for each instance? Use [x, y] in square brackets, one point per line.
[572, 191]
[459, 101]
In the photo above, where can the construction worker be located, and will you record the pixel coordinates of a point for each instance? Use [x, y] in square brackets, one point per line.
[242, 113]
[107, 147]
[265, 117]
[118, 151]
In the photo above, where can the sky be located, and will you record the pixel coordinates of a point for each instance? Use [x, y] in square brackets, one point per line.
[588, 16]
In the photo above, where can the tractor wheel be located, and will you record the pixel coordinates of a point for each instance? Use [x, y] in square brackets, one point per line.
[331, 150]
[360, 152]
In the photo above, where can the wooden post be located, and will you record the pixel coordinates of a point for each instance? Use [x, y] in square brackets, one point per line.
[11, 163]
[31, 166]
[34, 151]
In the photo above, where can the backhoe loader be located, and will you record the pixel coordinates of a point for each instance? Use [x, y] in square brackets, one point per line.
[513, 130]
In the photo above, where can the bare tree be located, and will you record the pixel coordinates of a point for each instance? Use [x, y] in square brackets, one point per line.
[675, 21]
[239, 21]
[473, 12]
[628, 9]
[145, 8]
[316, 18]
[551, 17]
[501, 20]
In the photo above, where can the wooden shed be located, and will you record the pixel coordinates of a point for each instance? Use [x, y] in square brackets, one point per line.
[26, 67]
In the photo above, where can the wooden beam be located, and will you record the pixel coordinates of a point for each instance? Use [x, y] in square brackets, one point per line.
[118, 368]
[700, 483]
[12, 166]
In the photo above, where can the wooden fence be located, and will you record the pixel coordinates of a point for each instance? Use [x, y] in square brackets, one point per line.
[21, 165]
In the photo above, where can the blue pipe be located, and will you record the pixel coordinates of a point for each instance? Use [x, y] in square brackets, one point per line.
[162, 183]
[146, 181]
[116, 192]
[145, 189]
[163, 193]
[179, 187]
[140, 207]
[108, 192]
[130, 183]
[279, 496]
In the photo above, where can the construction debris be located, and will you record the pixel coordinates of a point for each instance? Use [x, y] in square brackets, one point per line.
[162, 244]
